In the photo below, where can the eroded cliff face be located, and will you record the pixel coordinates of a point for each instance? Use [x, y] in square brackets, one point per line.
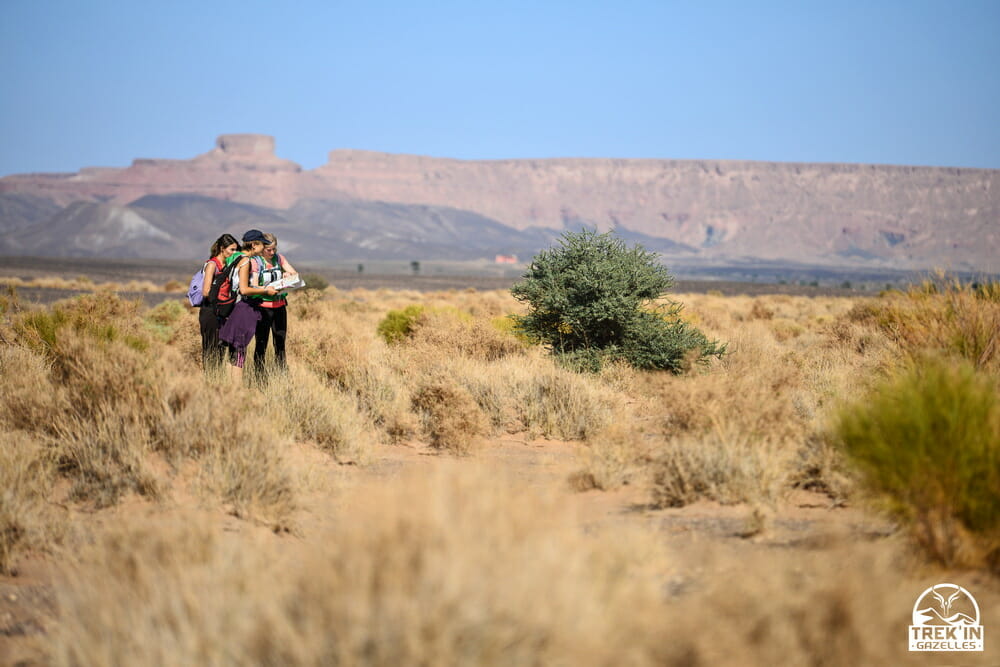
[833, 213]
[725, 208]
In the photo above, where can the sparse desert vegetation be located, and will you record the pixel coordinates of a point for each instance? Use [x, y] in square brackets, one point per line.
[425, 486]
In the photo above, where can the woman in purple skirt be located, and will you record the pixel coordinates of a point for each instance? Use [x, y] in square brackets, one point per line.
[241, 327]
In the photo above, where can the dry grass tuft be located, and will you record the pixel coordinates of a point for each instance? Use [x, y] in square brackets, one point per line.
[105, 454]
[27, 520]
[351, 358]
[950, 319]
[27, 398]
[106, 401]
[299, 404]
[536, 396]
[452, 420]
[251, 475]
[725, 466]
[473, 338]
[617, 455]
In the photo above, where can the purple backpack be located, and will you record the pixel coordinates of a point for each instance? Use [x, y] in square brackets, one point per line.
[194, 289]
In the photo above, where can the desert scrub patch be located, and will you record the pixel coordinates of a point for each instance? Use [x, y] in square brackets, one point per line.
[251, 475]
[368, 371]
[448, 333]
[95, 404]
[28, 399]
[926, 442]
[783, 329]
[615, 456]
[112, 375]
[532, 394]
[101, 317]
[163, 319]
[948, 319]
[104, 454]
[989, 291]
[723, 465]
[451, 417]
[27, 520]
[399, 324]
[9, 301]
[311, 410]
[399, 581]
[760, 311]
[508, 325]
[193, 423]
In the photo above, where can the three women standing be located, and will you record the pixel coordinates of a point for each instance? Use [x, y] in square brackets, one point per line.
[241, 326]
[260, 313]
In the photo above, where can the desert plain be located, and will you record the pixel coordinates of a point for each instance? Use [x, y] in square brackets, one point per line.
[458, 497]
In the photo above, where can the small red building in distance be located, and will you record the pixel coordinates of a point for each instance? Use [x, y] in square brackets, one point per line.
[505, 259]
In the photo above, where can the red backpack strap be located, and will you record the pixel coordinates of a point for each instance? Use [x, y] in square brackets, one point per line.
[219, 266]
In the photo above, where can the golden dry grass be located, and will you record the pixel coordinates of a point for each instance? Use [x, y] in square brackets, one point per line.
[294, 520]
[84, 283]
[426, 570]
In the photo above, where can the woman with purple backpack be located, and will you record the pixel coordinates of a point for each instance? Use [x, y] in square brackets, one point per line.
[212, 351]
[241, 325]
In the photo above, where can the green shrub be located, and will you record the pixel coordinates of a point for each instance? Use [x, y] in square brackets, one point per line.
[164, 317]
[591, 300]
[314, 281]
[989, 291]
[102, 317]
[507, 325]
[927, 442]
[399, 324]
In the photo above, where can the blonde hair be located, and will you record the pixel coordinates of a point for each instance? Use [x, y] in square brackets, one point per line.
[271, 239]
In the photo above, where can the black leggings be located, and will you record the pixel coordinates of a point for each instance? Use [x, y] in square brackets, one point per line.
[213, 350]
[211, 347]
[271, 320]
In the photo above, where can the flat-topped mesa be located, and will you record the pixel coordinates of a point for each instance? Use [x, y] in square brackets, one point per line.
[251, 151]
[246, 144]
[241, 167]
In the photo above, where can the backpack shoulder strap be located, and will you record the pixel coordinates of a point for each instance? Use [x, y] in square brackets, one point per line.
[222, 275]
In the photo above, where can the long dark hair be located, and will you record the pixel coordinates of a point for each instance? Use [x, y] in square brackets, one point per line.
[223, 241]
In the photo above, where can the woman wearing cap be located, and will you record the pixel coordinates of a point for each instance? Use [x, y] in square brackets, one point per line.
[272, 266]
[241, 327]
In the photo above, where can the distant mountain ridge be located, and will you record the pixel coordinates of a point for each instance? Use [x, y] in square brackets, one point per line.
[362, 204]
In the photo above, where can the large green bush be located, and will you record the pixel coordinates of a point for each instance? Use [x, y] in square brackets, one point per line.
[592, 299]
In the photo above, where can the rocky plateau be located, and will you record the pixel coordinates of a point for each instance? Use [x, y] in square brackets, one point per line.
[367, 205]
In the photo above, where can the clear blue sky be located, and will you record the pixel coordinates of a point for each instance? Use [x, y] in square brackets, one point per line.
[92, 82]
